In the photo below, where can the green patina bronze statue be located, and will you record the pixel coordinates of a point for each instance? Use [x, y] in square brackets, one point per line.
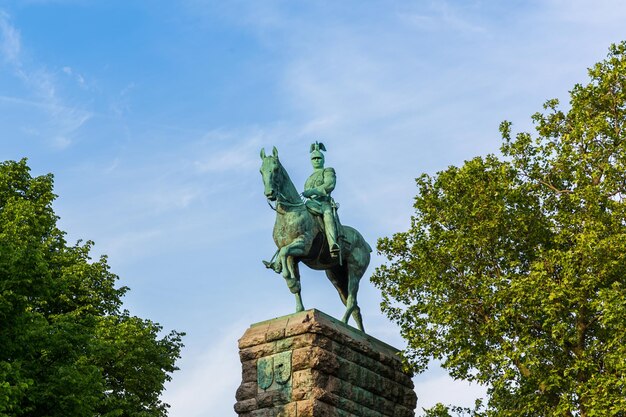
[309, 232]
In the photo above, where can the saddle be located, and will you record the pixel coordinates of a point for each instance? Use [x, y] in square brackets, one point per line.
[315, 208]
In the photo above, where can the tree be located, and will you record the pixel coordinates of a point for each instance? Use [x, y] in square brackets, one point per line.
[66, 346]
[513, 272]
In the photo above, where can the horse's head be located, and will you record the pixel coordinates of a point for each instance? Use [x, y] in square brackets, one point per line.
[271, 173]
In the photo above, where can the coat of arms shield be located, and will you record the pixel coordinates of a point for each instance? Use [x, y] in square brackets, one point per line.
[282, 367]
[265, 372]
[274, 369]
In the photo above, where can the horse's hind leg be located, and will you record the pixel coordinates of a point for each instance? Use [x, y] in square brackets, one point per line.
[357, 264]
[351, 302]
[358, 319]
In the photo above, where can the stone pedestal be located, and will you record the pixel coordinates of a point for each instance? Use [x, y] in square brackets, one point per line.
[309, 364]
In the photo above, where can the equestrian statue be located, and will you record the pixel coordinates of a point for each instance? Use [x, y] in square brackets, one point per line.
[307, 230]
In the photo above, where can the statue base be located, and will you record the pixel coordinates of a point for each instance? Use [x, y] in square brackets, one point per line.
[309, 364]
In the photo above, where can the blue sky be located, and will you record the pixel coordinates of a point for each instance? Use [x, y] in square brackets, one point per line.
[151, 115]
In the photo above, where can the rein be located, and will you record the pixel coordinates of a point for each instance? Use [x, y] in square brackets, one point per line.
[284, 202]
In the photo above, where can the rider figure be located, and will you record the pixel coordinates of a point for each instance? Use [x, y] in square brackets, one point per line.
[317, 189]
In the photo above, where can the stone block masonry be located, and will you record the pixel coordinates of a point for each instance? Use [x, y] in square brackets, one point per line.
[309, 364]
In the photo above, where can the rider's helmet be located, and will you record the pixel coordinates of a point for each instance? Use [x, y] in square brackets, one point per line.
[316, 150]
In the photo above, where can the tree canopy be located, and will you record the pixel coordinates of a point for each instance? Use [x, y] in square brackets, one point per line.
[67, 348]
[513, 272]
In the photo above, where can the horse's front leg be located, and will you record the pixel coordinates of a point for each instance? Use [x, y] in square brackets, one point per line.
[287, 256]
[287, 253]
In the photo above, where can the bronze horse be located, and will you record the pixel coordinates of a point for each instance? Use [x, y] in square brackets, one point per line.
[300, 238]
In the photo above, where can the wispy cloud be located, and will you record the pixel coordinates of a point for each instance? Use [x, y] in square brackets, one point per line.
[190, 192]
[587, 13]
[10, 44]
[208, 379]
[121, 105]
[240, 155]
[63, 120]
[442, 16]
[130, 244]
[80, 80]
[439, 388]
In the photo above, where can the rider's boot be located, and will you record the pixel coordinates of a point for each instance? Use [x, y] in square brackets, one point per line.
[331, 234]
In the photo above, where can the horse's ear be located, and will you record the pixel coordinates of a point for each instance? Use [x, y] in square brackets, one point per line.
[275, 152]
[262, 152]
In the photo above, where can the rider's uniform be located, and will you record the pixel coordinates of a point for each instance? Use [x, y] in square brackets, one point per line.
[323, 182]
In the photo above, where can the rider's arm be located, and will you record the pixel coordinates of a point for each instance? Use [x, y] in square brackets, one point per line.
[327, 186]
[330, 180]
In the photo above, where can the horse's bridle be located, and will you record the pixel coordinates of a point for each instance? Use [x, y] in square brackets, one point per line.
[283, 202]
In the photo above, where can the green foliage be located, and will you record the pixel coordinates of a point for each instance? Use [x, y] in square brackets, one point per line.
[441, 410]
[513, 272]
[66, 347]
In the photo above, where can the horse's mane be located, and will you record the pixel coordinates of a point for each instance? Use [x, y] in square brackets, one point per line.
[290, 188]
